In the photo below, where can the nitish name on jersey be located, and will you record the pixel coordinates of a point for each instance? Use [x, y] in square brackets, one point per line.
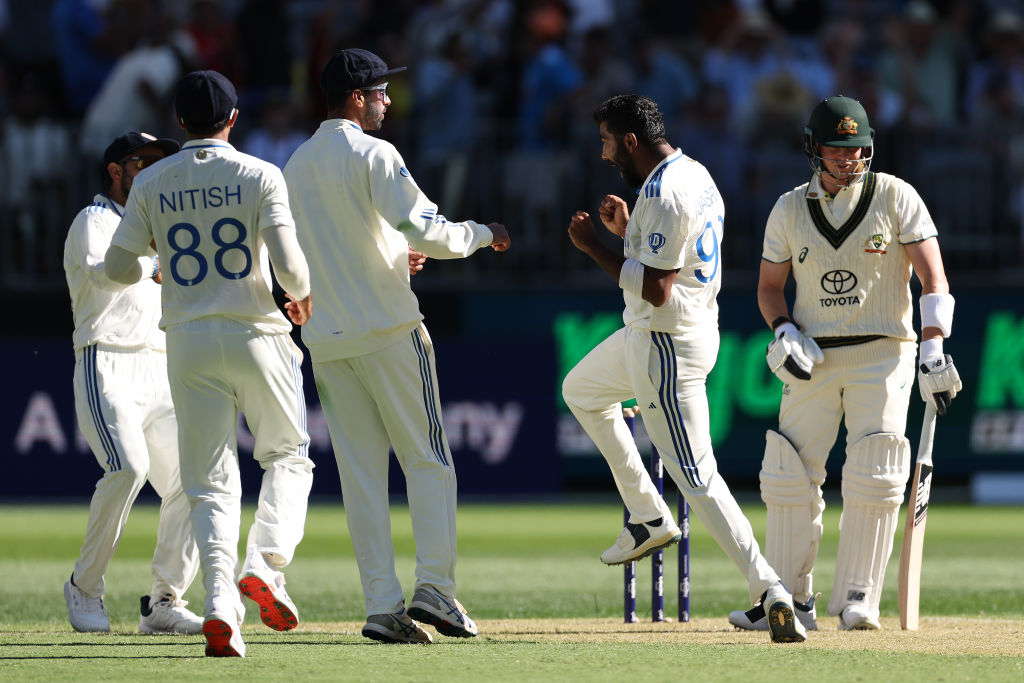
[200, 198]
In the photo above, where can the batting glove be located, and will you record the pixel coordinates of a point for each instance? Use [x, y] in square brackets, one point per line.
[792, 356]
[939, 382]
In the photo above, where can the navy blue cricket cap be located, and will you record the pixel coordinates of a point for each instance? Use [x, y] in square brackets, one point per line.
[352, 69]
[124, 145]
[204, 99]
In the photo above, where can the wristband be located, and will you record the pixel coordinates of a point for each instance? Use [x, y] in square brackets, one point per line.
[937, 311]
[781, 319]
[931, 348]
[631, 277]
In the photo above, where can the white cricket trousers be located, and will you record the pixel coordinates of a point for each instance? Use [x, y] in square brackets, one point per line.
[389, 398]
[124, 409]
[666, 373]
[217, 368]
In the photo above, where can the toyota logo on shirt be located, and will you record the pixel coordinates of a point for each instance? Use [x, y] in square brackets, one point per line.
[838, 281]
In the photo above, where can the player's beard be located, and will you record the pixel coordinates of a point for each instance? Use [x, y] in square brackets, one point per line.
[375, 116]
[627, 169]
[126, 184]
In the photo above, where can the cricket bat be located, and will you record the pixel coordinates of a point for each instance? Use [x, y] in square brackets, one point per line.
[913, 532]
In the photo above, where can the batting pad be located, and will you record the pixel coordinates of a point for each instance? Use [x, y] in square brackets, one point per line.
[874, 480]
[794, 515]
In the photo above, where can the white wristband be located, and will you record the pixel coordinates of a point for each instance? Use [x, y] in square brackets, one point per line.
[631, 278]
[937, 311]
[931, 348]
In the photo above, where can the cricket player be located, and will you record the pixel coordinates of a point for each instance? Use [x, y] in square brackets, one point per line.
[851, 239]
[123, 403]
[214, 214]
[358, 211]
[670, 273]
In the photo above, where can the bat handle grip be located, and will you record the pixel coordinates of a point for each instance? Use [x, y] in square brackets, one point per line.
[924, 448]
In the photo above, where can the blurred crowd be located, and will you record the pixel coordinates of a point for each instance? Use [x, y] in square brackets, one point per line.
[493, 115]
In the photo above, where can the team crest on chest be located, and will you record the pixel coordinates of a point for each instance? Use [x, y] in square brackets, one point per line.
[876, 244]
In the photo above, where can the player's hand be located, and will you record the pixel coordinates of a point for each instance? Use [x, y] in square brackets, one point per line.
[938, 382]
[614, 214]
[792, 356]
[299, 311]
[581, 232]
[416, 261]
[500, 240]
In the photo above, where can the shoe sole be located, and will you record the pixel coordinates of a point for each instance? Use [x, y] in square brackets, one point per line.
[650, 551]
[389, 639]
[150, 631]
[762, 624]
[782, 625]
[273, 612]
[862, 626]
[218, 639]
[443, 626]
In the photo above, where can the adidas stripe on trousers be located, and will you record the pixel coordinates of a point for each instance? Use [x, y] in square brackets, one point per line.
[372, 403]
[124, 409]
[666, 373]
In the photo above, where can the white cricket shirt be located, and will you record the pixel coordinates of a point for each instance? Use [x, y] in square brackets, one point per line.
[852, 273]
[107, 312]
[357, 211]
[206, 207]
[678, 222]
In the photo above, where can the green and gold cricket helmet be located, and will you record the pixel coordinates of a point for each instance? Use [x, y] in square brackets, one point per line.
[838, 121]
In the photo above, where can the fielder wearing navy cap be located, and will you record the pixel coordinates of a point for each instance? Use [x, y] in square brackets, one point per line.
[204, 99]
[353, 69]
[124, 145]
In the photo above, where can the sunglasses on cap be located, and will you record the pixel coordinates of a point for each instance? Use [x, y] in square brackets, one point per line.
[142, 160]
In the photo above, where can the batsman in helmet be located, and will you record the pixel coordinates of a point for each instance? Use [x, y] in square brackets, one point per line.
[847, 350]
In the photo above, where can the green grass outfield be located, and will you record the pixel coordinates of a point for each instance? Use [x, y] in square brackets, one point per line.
[546, 606]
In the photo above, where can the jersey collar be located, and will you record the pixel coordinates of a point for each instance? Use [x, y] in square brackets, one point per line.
[114, 206]
[207, 143]
[339, 124]
[816, 191]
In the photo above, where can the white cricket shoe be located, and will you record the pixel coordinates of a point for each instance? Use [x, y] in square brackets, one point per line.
[86, 614]
[167, 615]
[857, 618]
[223, 636]
[783, 625]
[637, 541]
[447, 615]
[395, 628]
[754, 619]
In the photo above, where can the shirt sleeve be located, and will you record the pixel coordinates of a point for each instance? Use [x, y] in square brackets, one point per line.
[277, 228]
[776, 246]
[134, 234]
[403, 205]
[915, 223]
[290, 265]
[664, 224]
[90, 238]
